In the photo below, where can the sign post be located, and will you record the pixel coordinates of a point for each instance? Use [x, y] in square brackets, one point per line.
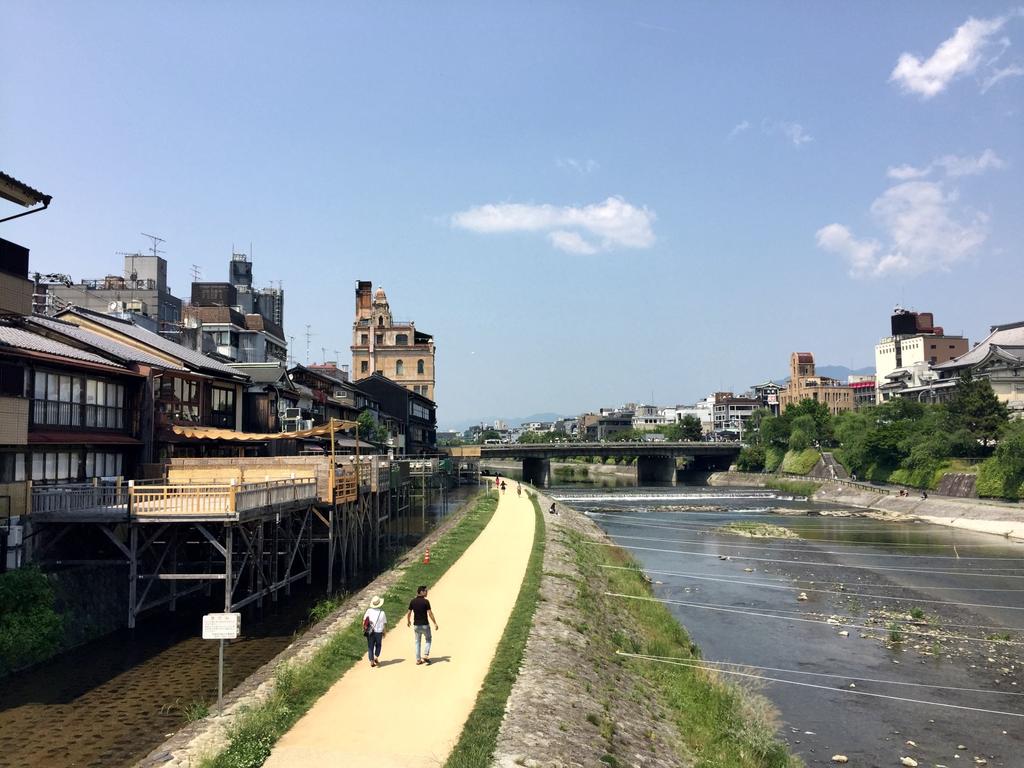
[221, 626]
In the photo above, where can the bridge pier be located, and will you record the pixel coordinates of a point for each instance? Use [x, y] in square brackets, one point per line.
[537, 472]
[711, 463]
[655, 469]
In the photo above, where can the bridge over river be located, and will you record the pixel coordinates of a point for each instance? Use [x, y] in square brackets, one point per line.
[655, 462]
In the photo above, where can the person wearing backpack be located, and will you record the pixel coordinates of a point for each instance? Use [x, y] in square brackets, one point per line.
[375, 626]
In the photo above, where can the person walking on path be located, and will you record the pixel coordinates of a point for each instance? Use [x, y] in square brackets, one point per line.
[417, 617]
[502, 486]
[375, 626]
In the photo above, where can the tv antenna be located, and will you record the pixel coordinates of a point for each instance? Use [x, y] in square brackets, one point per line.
[309, 335]
[291, 350]
[156, 240]
[323, 354]
[197, 272]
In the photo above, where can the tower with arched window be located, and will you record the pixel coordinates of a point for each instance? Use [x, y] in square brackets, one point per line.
[392, 348]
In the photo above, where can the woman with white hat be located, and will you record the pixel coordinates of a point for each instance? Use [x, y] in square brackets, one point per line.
[374, 628]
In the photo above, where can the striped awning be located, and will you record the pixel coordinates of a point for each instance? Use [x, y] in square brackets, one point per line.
[215, 433]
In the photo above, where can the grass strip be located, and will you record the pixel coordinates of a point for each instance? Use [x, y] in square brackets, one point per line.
[299, 686]
[476, 745]
[795, 487]
[721, 724]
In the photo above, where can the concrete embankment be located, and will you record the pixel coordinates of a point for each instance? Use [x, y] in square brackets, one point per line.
[577, 702]
[980, 515]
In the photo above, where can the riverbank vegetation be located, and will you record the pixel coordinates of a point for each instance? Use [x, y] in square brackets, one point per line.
[475, 746]
[754, 530]
[899, 441]
[722, 725]
[298, 686]
[30, 627]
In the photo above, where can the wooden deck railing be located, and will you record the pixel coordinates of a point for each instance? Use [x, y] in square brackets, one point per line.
[148, 501]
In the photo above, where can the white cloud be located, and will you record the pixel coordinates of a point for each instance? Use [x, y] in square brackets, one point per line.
[610, 224]
[998, 75]
[572, 242]
[922, 233]
[953, 165]
[905, 172]
[739, 128]
[970, 166]
[792, 131]
[958, 56]
[580, 166]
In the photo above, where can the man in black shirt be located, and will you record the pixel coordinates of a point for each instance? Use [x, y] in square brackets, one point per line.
[419, 611]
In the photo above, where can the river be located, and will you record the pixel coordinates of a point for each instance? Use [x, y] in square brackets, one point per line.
[740, 600]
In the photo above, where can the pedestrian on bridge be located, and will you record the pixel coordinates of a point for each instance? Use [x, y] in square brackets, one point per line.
[417, 617]
[375, 626]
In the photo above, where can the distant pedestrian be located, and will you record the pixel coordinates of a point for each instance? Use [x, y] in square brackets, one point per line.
[375, 626]
[519, 490]
[924, 494]
[502, 486]
[552, 510]
[497, 481]
[417, 618]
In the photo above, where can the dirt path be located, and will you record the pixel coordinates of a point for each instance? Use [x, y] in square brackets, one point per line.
[402, 714]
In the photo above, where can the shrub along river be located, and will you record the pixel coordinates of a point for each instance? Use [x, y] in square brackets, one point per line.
[843, 607]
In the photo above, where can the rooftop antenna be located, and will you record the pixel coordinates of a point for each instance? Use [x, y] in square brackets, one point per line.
[291, 350]
[309, 335]
[323, 354]
[155, 240]
[197, 272]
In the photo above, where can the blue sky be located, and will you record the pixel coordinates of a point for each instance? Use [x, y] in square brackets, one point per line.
[586, 203]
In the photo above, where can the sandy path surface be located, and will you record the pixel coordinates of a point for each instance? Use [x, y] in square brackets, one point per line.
[401, 714]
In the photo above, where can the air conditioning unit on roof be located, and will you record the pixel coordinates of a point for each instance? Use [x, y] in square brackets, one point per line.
[293, 413]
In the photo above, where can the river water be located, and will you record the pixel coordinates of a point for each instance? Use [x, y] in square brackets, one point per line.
[739, 599]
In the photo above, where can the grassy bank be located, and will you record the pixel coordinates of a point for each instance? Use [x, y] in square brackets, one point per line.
[30, 628]
[800, 462]
[721, 725]
[299, 686]
[794, 487]
[476, 744]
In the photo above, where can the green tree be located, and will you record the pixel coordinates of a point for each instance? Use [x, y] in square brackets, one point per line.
[370, 429]
[687, 429]
[534, 437]
[976, 409]
[751, 459]
[489, 434]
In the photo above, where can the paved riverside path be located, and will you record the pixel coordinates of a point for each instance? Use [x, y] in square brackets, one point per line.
[401, 714]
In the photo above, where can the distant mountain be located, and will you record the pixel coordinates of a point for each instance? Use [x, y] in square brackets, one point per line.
[465, 424]
[840, 372]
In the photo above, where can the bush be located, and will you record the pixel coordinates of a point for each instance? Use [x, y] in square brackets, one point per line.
[751, 459]
[800, 462]
[773, 458]
[30, 629]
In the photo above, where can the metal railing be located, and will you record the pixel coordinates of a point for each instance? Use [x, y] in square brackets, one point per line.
[78, 497]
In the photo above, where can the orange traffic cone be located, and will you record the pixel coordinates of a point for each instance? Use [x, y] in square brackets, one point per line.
[426, 557]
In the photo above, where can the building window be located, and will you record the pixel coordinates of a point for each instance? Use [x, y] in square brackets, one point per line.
[420, 367]
[222, 407]
[380, 322]
[100, 464]
[104, 404]
[402, 339]
[364, 367]
[12, 467]
[380, 338]
[55, 466]
[364, 339]
[399, 368]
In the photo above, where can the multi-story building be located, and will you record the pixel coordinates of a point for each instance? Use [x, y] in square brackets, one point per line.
[999, 358]
[768, 394]
[389, 347]
[413, 415]
[647, 418]
[141, 293]
[731, 412]
[863, 387]
[241, 323]
[805, 384]
[915, 345]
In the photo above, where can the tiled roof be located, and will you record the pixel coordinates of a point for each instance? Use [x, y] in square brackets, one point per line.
[189, 357]
[13, 182]
[103, 343]
[1001, 336]
[20, 338]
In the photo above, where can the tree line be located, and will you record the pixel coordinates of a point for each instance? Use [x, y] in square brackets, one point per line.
[900, 441]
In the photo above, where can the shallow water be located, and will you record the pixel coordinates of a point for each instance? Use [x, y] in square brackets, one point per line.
[673, 533]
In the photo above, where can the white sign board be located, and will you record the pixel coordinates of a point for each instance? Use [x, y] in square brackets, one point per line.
[222, 626]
